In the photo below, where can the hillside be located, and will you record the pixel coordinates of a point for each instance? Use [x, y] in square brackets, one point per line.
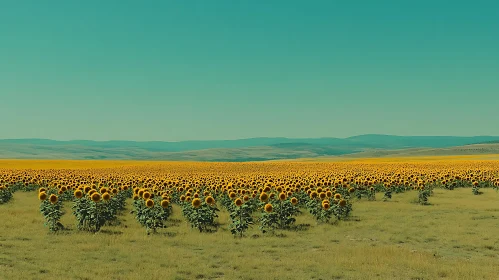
[254, 149]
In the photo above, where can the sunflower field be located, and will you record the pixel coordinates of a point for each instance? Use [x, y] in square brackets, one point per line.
[268, 195]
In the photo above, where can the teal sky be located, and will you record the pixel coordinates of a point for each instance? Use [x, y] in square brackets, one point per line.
[229, 69]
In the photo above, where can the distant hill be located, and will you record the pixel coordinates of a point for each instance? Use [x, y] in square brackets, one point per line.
[253, 149]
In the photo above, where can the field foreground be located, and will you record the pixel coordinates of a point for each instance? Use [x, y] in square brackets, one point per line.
[455, 236]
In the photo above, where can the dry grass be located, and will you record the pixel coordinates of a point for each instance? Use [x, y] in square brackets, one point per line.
[454, 238]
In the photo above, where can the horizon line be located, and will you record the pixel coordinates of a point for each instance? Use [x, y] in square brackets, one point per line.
[250, 138]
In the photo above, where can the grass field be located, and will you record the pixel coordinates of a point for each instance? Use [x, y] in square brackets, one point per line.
[455, 237]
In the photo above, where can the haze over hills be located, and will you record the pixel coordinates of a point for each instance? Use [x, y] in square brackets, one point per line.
[253, 149]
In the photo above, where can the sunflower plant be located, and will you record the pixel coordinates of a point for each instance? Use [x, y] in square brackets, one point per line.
[279, 215]
[51, 209]
[5, 194]
[475, 189]
[152, 213]
[423, 195]
[241, 218]
[201, 214]
[92, 212]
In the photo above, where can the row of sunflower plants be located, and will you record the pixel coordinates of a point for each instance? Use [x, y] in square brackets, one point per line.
[93, 209]
[323, 208]
[51, 208]
[201, 212]
[279, 213]
[151, 211]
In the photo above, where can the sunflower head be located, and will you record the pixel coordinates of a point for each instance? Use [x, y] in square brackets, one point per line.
[246, 198]
[351, 190]
[238, 202]
[294, 200]
[313, 194]
[209, 200]
[337, 196]
[196, 202]
[150, 203]
[42, 196]
[268, 208]
[95, 197]
[342, 203]
[106, 196]
[165, 203]
[264, 197]
[326, 206]
[78, 194]
[53, 198]
[282, 196]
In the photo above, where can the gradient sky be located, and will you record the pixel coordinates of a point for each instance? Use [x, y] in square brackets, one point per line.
[228, 69]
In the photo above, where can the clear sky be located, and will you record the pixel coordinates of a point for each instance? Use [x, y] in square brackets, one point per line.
[229, 69]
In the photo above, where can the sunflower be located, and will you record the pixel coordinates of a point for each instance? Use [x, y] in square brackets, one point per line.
[196, 202]
[53, 198]
[209, 200]
[95, 197]
[351, 190]
[329, 194]
[342, 203]
[294, 200]
[150, 203]
[326, 206]
[40, 190]
[371, 189]
[322, 195]
[232, 195]
[136, 197]
[106, 196]
[238, 202]
[268, 208]
[78, 193]
[165, 203]
[282, 196]
[264, 197]
[313, 194]
[246, 198]
[337, 196]
[42, 196]
[182, 198]
[146, 195]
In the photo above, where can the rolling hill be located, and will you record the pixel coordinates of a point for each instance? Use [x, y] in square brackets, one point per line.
[253, 149]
